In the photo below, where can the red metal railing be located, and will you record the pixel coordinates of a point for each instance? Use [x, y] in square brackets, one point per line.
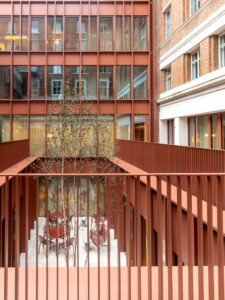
[13, 152]
[153, 157]
[158, 240]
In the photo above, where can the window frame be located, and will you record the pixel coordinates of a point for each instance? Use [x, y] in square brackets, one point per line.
[168, 79]
[196, 5]
[52, 87]
[221, 47]
[194, 62]
[167, 13]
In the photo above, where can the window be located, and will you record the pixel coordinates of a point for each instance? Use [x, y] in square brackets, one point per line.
[4, 128]
[37, 135]
[168, 22]
[105, 82]
[106, 33]
[140, 33]
[20, 82]
[194, 6]
[93, 33]
[140, 128]
[4, 82]
[119, 37]
[195, 65]
[16, 33]
[125, 31]
[202, 136]
[20, 127]
[54, 82]
[214, 132]
[106, 135]
[122, 82]
[89, 82]
[71, 80]
[5, 34]
[223, 130]
[84, 34]
[54, 33]
[191, 132]
[170, 132]
[140, 82]
[168, 79]
[37, 83]
[71, 33]
[123, 127]
[37, 33]
[222, 50]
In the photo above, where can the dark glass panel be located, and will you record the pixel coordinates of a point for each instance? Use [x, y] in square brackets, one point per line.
[20, 82]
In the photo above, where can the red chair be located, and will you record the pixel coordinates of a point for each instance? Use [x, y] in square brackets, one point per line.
[99, 238]
[45, 242]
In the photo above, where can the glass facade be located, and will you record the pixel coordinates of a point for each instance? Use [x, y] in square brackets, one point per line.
[214, 132]
[93, 33]
[37, 135]
[123, 82]
[105, 82]
[106, 33]
[72, 82]
[123, 127]
[5, 34]
[140, 33]
[119, 31]
[140, 128]
[20, 36]
[20, 127]
[4, 128]
[89, 82]
[54, 82]
[140, 82]
[4, 82]
[72, 33]
[191, 132]
[37, 33]
[202, 136]
[24, 33]
[54, 33]
[20, 82]
[37, 82]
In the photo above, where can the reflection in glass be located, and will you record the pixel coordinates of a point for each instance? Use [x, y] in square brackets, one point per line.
[191, 132]
[5, 34]
[89, 82]
[24, 25]
[20, 82]
[105, 82]
[140, 128]
[20, 127]
[123, 82]
[84, 34]
[4, 128]
[54, 33]
[37, 135]
[214, 132]
[170, 132]
[72, 81]
[37, 83]
[140, 33]
[37, 33]
[119, 38]
[93, 33]
[123, 127]
[140, 82]
[16, 33]
[106, 33]
[127, 33]
[54, 82]
[72, 33]
[202, 136]
[4, 82]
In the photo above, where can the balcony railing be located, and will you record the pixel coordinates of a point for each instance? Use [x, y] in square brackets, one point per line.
[112, 236]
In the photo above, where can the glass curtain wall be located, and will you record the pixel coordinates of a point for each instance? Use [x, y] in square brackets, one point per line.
[20, 36]
[54, 82]
[4, 82]
[127, 33]
[37, 83]
[89, 82]
[140, 128]
[140, 82]
[5, 34]
[72, 82]
[123, 82]
[20, 82]
[54, 33]
[140, 33]
[214, 132]
[105, 82]
[37, 135]
[72, 33]
[123, 127]
[119, 30]
[202, 136]
[4, 128]
[37, 33]
[106, 33]
[20, 127]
